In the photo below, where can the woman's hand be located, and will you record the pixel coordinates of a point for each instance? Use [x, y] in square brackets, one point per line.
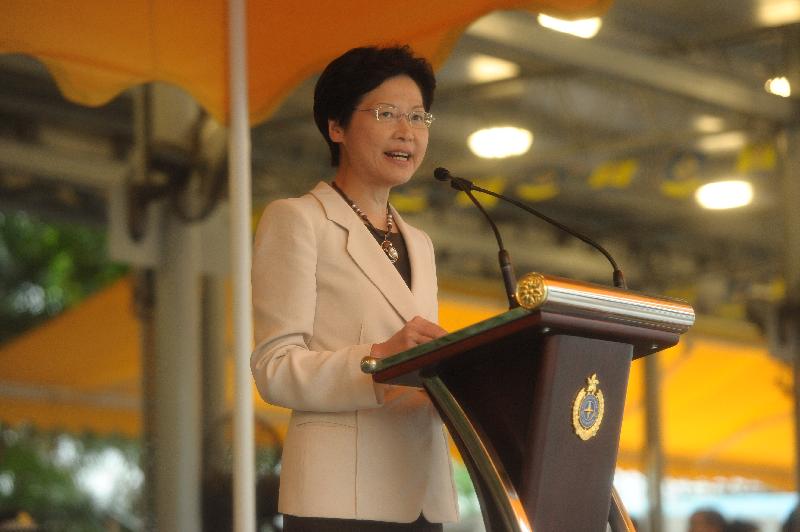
[415, 332]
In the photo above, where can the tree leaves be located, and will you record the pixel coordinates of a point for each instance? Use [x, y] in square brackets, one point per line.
[47, 267]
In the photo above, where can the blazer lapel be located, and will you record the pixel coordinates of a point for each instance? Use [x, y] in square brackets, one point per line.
[366, 252]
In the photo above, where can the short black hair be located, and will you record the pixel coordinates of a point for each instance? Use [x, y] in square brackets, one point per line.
[350, 76]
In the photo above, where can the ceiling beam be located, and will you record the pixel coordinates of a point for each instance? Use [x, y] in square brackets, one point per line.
[520, 33]
[75, 168]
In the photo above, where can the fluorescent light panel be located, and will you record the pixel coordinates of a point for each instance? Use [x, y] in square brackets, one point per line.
[777, 12]
[482, 68]
[722, 142]
[585, 28]
[500, 142]
[724, 194]
[779, 86]
[708, 124]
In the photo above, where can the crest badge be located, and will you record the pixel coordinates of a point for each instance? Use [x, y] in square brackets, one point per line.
[587, 409]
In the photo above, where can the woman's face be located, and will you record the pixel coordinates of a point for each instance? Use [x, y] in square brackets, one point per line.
[385, 153]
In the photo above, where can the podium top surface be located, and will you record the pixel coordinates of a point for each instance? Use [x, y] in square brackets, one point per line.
[559, 306]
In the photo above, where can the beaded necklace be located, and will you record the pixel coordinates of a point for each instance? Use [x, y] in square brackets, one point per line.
[386, 245]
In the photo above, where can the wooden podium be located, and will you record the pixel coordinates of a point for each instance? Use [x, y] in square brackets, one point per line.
[534, 397]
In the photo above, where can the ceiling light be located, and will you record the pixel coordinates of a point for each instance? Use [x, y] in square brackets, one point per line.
[483, 68]
[724, 194]
[585, 28]
[722, 142]
[779, 86]
[708, 124]
[777, 12]
[500, 142]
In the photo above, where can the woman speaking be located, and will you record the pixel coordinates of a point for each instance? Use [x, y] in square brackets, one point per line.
[338, 275]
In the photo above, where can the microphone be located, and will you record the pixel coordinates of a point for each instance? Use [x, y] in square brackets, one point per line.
[509, 279]
[465, 185]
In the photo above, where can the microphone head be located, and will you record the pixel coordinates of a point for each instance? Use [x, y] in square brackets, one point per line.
[442, 174]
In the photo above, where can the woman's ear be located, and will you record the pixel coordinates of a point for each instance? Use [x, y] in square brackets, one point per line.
[335, 131]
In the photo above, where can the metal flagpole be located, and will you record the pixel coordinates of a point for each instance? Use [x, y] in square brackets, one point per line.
[788, 319]
[654, 453]
[239, 186]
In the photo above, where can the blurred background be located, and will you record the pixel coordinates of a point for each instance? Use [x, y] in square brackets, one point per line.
[668, 131]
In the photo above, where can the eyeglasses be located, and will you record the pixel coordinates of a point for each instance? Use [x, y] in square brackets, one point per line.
[389, 113]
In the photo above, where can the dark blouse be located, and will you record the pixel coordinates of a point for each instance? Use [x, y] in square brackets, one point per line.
[403, 264]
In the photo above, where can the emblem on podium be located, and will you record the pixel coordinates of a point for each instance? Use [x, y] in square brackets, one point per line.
[587, 409]
[531, 291]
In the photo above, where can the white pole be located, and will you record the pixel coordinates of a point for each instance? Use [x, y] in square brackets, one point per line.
[244, 511]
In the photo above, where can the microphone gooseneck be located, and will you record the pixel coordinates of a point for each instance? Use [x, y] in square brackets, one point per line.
[509, 279]
[459, 183]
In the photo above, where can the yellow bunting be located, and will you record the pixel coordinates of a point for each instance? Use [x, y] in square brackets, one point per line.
[541, 187]
[756, 158]
[685, 292]
[732, 310]
[614, 174]
[682, 177]
[412, 201]
[776, 289]
[495, 184]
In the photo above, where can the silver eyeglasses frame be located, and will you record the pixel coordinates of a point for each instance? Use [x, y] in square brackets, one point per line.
[380, 115]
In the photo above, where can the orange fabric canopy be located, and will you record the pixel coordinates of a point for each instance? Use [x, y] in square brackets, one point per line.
[726, 411]
[95, 49]
[727, 407]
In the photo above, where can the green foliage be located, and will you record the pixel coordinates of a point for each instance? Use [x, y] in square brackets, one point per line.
[46, 475]
[37, 479]
[467, 499]
[46, 268]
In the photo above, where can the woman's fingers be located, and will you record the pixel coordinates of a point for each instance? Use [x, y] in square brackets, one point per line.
[415, 332]
[425, 328]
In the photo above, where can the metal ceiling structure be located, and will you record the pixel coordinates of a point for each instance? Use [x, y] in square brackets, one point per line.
[660, 89]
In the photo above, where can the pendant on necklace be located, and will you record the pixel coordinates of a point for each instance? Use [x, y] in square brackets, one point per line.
[390, 251]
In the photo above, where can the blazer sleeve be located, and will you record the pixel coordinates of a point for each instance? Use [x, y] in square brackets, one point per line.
[287, 373]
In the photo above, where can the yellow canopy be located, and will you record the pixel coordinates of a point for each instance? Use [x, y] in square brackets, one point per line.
[726, 411]
[95, 49]
[727, 408]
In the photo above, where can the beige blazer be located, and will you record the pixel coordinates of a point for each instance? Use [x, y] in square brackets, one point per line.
[323, 293]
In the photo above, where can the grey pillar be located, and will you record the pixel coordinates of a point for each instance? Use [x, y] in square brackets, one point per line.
[177, 339]
[145, 306]
[213, 336]
[170, 304]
